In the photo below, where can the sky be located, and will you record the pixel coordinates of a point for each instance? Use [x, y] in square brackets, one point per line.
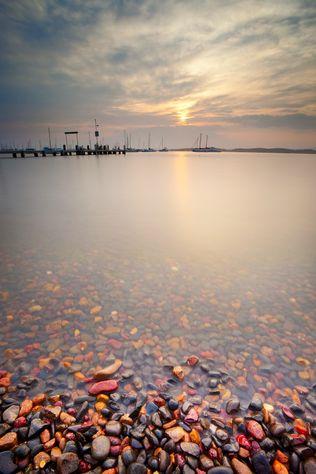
[242, 72]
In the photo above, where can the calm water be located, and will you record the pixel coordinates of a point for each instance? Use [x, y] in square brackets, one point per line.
[154, 257]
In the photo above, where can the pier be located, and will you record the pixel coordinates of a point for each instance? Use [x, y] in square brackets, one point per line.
[78, 151]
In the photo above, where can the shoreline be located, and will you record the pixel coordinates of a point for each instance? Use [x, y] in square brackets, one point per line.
[99, 430]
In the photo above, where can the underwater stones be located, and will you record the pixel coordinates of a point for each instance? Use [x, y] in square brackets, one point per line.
[255, 430]
[103, 387]
[232, 405]
[108, 371]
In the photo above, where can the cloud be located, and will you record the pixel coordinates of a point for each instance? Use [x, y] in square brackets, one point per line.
[165, 63]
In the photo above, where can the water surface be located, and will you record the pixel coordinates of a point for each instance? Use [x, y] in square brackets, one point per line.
[157, 256]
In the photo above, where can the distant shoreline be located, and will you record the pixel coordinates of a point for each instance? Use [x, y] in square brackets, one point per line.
[257, 150]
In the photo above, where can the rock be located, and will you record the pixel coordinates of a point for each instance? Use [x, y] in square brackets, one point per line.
[7, 466]
[256, 403]
[10, 414]
[220, 470]
[232, 405]
[41, 459]
[100, 448]
[192, 360]
[104, 386]
[255, 430]
[240, 467]
[310, 466]
[279, 468]
[8, 441]
[178, 372]
[107, 371]
[176, 433]
[37, 425]
[22, 451]
[67, 463]
[192, 416]
[260, 463]
[113, 428]
[190, 448]
[137, 468]
[26, 407]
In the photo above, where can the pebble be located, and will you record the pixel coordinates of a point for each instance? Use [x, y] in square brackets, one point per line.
[190, 448]
[260, 463]
[103, 387]
[7, 465]
[100, 448]
[8, 441]
[137, 468]
[67, 463]
[10, 414]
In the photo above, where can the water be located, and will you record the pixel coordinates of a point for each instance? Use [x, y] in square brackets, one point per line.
[154, 257]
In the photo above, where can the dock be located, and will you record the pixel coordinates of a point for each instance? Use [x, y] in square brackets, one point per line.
[78, 151]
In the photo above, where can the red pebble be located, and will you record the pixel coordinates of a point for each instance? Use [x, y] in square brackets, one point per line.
[114, 441]
[104, 386]
[191, 391]
[180, 460]
[71, 411]
[212, 453]
[115, 450]
[20, 422]
[243, 441]
[58, 404]
[71, 436]
[84, 466]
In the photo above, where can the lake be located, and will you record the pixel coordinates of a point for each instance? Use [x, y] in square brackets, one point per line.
[155, 257]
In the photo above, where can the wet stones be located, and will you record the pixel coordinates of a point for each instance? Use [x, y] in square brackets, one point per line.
[108, 371]
[137, 468]
[7, 465]
[260, 463]
[113, 428]
[37, 425]
[232, 405]
[103, 387]
[255, 430]
[176, 433]
[8, 441]
[10, 414]
[190, 448]
[67, 463]
[100, 448]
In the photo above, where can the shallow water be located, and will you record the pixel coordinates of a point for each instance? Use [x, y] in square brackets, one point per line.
[154, 257]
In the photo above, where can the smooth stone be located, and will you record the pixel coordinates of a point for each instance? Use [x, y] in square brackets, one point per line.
[232, 405]
[310, 466]
[107, 371]
[260, 463]
[220, 470]
[104, 386]
[10, 414]
[256, 404]
[37, 425]
[176, 433]
[113, 428]
[255, 430]
[137, 468]
[67, 463]
[7, 466]
[100, 448]
[190, 448]
[22, 451]
[240, 467]
[8, 441]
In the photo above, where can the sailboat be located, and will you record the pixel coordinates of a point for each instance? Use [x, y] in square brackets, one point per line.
[163, 148]
[206, 149]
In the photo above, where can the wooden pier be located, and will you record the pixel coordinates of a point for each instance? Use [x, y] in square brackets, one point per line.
[78, 151]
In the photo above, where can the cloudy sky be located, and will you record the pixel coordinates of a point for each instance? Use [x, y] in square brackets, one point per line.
[241, 71]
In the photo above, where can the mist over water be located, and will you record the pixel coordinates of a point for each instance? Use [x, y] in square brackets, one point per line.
[198, 252]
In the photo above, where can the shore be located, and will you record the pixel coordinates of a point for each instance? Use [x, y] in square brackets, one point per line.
[104, 429]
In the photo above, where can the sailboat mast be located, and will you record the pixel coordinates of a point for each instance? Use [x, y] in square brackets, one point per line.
[206, 140]
[200, 140]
